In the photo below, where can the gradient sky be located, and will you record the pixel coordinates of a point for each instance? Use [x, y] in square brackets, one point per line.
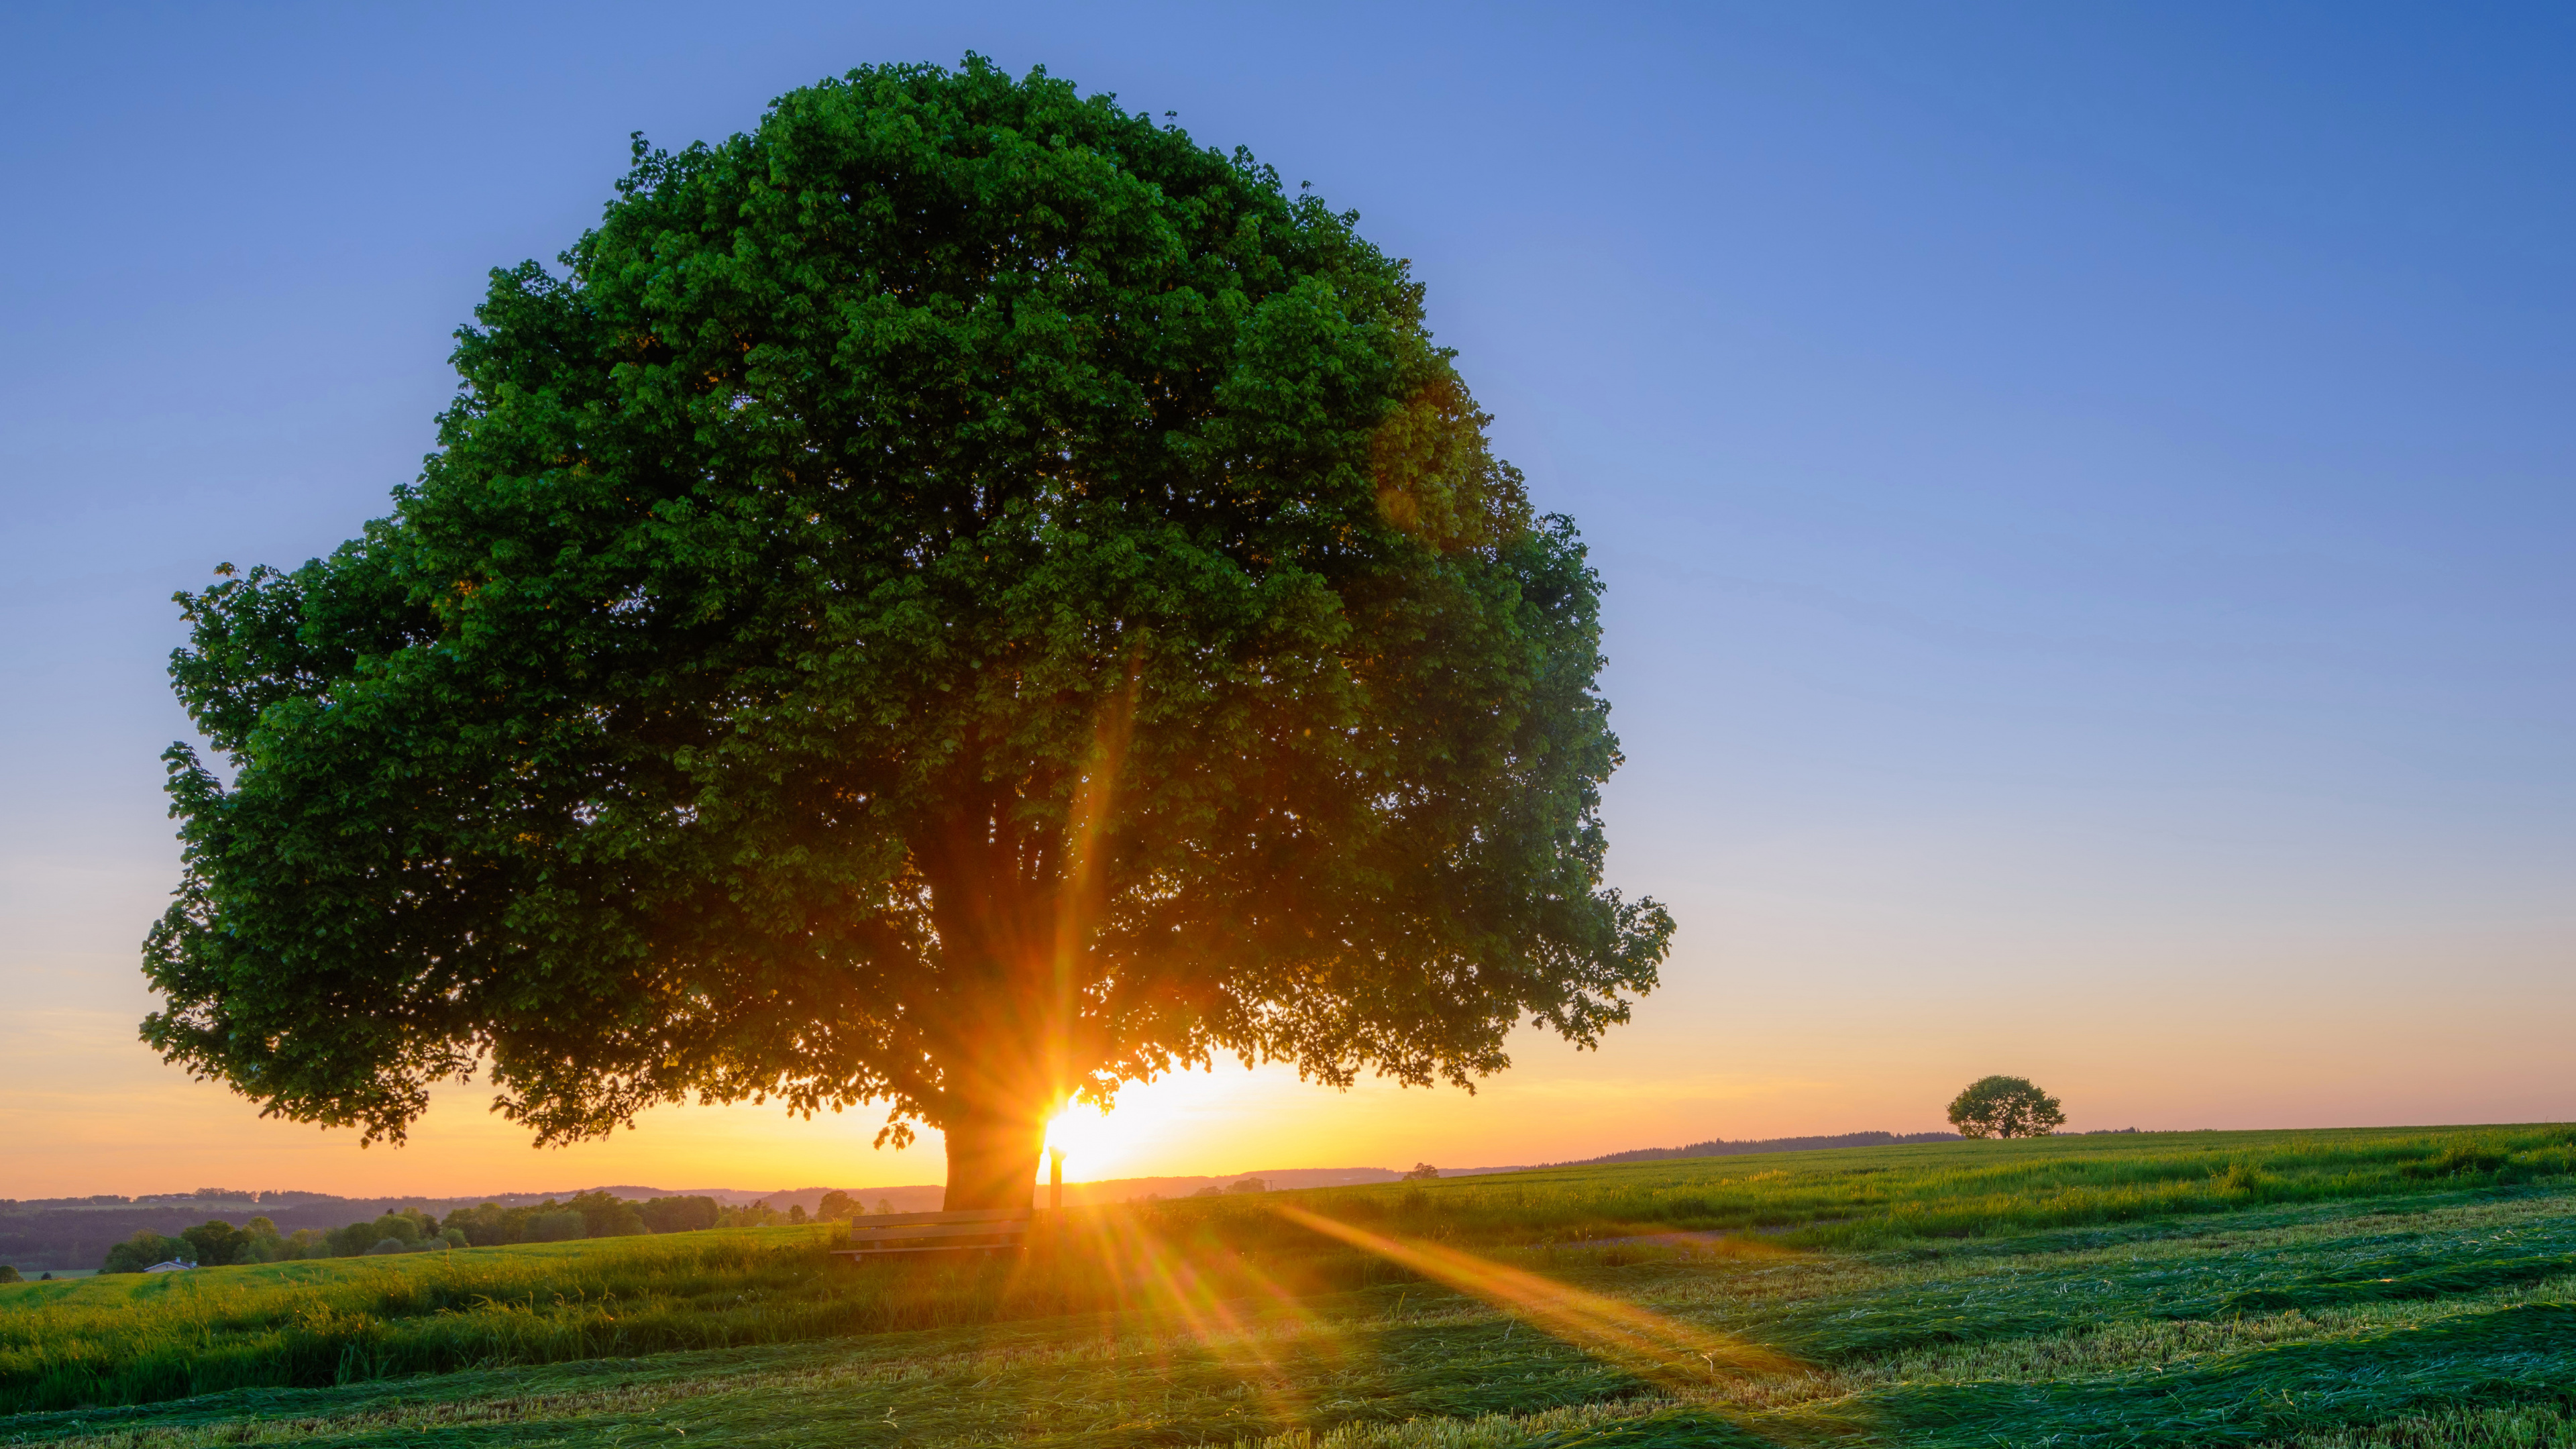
[2084, 493]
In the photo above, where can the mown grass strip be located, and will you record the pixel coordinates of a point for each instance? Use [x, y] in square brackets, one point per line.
[1338, 1358]
[2521, 1354]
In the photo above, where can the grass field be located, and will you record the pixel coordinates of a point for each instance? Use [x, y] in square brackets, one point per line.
[2317, 1289]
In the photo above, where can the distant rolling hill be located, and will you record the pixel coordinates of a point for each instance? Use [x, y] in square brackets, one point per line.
[75, 1232]
[1720, 1147]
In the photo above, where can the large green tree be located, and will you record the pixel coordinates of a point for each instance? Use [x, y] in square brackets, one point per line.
[958, 598]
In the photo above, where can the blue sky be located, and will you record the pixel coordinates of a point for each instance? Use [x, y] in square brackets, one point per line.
[2085, 495]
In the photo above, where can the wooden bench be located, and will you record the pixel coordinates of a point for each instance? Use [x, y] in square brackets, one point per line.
[985, 1230]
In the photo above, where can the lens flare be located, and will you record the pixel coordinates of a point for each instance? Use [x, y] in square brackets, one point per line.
[1666, 1352]
[1222, 1305]
[1206, 1291]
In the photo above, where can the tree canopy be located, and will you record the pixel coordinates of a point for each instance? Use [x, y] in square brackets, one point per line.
[958, 597]
[2005, 1107]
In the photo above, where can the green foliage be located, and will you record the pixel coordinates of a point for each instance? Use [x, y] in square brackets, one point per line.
[10, 1274]
[215, 1243]
[556, 1227]
[603, 1216]
[143, 1250]
[592, 1214]
[491, 1225]
[2241, 1179]
[678, 1214]
[407, 1230]
[260, 1242]
[2005, 1107]
[959, 574]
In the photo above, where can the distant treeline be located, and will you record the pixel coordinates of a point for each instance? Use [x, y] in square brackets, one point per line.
[1720, 1147]
[48, 1234]
[217, 1243]
[178, 1199]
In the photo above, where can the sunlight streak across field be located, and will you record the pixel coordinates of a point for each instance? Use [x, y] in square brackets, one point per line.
[1667, 1352]
[1206, 1297]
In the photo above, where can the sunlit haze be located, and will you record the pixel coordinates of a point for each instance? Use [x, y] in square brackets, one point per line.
[2083, 495]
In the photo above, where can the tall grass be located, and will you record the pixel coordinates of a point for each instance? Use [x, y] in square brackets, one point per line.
[127, 1340]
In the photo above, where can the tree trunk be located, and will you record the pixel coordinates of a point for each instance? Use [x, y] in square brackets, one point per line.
[993, 1160]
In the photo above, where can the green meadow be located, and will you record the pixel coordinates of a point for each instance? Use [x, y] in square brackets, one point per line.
[2342, 1288]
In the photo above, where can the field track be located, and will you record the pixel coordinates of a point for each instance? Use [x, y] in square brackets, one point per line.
[2319, 1289]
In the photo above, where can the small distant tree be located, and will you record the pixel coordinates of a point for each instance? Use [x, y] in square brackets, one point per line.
[402, 1227]
[482, 1226]
[143, 1250]
[562, 1226]
[11, 1275]
[606, 1216]
[217, 1243]
[2005, 1107]
[1249, 1184]
[681, 1214]
[834, 1207]
[1422, 1172]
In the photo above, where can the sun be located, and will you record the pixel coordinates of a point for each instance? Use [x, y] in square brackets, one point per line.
[1179, 1122]
[1119, 1142]
[1093, 1145]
